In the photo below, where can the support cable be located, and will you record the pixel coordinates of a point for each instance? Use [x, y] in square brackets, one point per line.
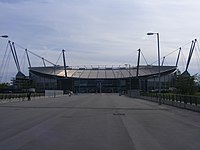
[183, 60]
[5, 64]
[41, 57]
[22, 63]
[144, 58]
[59, 58]
[4, 60]
[36, 55]
[171, 52]
[198, 56]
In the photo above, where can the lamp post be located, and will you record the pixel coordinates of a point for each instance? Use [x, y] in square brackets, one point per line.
[159, 89]
[4, 36]
[54, 85]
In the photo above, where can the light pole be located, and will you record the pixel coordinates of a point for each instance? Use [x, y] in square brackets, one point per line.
[159, 89]
[54, 85]
[4, 36]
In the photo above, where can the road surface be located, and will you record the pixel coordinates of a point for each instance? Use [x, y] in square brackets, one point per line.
[97, 122]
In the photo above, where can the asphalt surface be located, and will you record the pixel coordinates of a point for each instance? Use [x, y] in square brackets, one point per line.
[97, 122]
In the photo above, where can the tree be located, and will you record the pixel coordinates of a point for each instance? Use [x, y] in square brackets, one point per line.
[3, 85]
[185, 85]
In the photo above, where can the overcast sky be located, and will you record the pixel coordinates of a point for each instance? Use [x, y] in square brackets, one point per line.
[100, 32]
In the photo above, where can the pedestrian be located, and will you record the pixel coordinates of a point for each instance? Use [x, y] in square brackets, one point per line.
[29, 96]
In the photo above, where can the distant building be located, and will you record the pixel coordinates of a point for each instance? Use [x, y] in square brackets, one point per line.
[20, 83]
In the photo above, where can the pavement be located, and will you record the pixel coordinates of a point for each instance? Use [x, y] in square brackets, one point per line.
[97, 122]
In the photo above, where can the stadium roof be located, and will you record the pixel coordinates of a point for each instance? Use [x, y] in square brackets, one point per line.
[103, 72]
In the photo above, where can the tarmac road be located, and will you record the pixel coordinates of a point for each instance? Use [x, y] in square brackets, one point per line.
[97, 122]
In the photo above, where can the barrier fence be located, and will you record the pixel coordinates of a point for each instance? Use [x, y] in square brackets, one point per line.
[182, 101]
[187, 99]
[19, 96]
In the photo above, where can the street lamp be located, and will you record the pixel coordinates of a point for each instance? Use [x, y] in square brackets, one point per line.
[159, 90]
[4, 36]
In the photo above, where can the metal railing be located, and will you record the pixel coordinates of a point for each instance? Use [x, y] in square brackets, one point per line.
[18, 96]
[182, 101]
[187, 99]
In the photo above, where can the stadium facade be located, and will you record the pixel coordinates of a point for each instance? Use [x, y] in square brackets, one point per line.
[101, 79]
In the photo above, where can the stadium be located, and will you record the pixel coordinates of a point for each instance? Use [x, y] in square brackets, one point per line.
[94, 79]
[101, 79]
[108, 79]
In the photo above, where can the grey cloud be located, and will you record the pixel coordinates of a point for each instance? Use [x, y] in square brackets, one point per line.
[100, 30]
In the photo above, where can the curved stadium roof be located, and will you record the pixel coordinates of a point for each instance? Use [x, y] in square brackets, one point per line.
[102, 72]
